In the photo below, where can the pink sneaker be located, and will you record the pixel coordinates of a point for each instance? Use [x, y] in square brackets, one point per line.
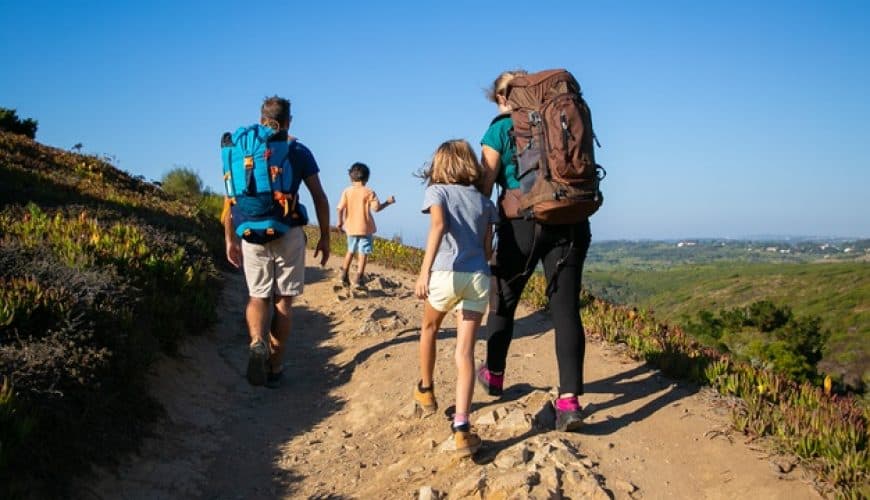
[569, 414]
[489, 381]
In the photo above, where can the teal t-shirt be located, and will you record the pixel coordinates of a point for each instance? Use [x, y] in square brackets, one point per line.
[498, 137]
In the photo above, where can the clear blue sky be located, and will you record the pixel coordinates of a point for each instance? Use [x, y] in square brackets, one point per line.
[717, 118]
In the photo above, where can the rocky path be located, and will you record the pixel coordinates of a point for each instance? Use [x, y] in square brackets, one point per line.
[341, 425]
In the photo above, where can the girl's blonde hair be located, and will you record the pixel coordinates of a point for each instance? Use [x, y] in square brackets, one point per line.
[454, 162]
[499, 86]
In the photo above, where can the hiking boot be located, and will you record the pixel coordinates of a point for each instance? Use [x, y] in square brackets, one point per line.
[425, 398]
[258, 354]
[493, 384]
[569, 416]
[467, 442]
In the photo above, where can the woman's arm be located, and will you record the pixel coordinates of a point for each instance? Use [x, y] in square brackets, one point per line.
[433, 242]
[490, 159]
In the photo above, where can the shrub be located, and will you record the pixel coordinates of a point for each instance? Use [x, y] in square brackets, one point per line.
[183, 184]
[9, 122]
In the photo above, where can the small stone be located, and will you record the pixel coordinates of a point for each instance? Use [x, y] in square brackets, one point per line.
[468, 487]
[542, 492]
[488, 418]
[782, 465]
[512, 482]
[587, 487]
[515, 421]
[623, 485]
[587, 462]
[427, 493]
[507, 460]
[409, 411]
[449, 445]
[550, 477]
[563, 458]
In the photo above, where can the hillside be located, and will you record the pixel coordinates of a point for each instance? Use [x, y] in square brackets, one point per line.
[838, 293]
[99, 273]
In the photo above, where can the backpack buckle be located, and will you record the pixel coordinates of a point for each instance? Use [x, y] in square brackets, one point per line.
[249, 162]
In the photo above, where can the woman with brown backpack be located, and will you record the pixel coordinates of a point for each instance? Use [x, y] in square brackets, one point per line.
[523, 242]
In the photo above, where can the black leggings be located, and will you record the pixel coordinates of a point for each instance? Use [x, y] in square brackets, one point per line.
[516, 242]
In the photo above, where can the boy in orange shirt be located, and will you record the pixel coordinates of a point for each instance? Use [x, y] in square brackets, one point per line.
[355, 218]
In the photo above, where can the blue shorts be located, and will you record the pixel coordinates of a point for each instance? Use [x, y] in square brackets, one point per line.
[359, 244]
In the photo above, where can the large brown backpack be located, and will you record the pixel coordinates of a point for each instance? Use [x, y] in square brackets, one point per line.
[559, 179]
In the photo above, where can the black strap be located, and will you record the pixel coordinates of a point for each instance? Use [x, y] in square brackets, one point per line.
[530, 262]
[499, 117]
[552, 287]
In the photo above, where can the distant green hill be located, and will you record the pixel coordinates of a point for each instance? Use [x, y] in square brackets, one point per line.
[839, 293]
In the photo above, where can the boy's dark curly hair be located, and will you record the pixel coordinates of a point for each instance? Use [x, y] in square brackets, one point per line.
[359, 172]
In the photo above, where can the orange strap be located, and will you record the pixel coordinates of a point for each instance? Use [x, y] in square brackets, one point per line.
[226, 210]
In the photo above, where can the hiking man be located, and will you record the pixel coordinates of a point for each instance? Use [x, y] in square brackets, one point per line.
[264, 165]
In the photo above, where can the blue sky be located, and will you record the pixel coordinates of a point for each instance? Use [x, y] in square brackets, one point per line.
[720, 119]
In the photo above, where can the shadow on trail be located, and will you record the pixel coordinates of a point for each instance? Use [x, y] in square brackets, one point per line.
[252, 463]
[634, 384]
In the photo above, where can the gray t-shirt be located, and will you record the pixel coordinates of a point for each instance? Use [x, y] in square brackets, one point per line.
[467, 213]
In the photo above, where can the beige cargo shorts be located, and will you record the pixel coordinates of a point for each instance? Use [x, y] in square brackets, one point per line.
[277, 267]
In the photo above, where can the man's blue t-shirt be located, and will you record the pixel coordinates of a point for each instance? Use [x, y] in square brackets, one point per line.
[303, 164]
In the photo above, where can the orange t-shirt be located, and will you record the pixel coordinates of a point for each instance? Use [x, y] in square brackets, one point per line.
[357, 201]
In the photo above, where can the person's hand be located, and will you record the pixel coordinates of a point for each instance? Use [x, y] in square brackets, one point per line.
[421, 289]
[391, 200]
[234, 252]
[340, 226]
[322, 249]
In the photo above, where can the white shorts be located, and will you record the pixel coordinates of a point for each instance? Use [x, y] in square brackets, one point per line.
[464, 291]
[276, 267]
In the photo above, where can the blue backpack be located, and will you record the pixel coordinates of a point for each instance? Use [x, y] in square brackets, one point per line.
[258, 178]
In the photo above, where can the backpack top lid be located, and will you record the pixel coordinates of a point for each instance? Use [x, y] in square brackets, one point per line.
[248, 137]
[531, 91]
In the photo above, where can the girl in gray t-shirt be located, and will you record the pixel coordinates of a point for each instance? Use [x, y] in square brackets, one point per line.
[454, 275]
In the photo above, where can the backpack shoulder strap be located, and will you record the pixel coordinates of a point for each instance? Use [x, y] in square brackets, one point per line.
[499, 118]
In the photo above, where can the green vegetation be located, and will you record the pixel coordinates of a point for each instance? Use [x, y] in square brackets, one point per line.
[10, 122]
[98, 273]
[766, 334]
[182, 183]
[836, 293]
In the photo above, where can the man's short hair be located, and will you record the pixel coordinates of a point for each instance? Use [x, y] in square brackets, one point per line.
[359, 172]
[275, 110]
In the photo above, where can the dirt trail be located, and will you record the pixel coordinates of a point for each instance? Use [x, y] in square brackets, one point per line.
[339, 426]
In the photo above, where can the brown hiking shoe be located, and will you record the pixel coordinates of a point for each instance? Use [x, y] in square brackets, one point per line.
[467, 442]
[425, 398]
